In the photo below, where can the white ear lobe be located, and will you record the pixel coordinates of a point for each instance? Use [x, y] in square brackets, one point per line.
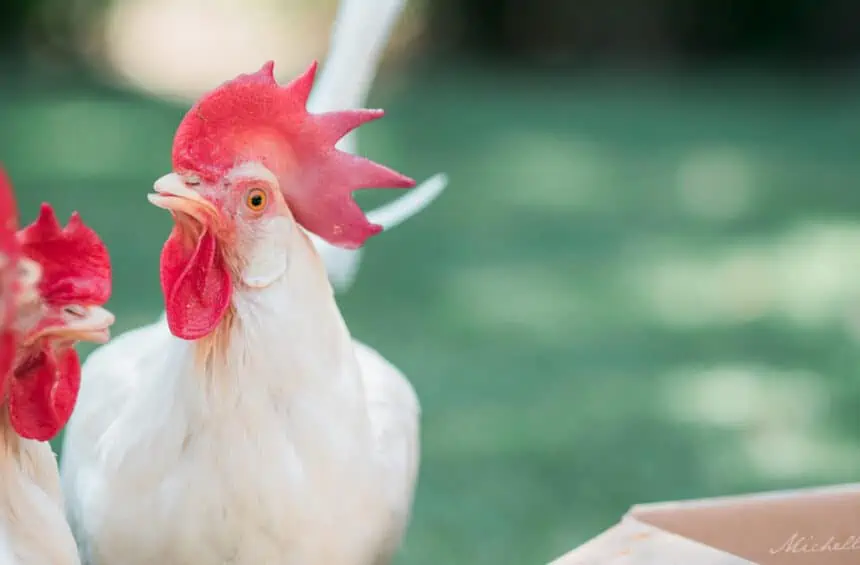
[267, 260]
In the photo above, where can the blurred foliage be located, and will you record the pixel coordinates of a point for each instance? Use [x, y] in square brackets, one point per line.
[654, 31]
[635, 288]
[580, 31]
[16, 16]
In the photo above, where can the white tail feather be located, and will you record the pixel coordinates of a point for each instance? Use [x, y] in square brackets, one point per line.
[359, 35]
[342, 264]
[395, 213]
[360, 32]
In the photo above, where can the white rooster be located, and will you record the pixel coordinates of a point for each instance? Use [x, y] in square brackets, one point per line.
[247, 426]
[60, 278]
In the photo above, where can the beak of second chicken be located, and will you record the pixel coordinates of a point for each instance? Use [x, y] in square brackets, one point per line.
[80, 323]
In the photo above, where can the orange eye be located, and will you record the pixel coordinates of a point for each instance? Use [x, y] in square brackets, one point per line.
[256, 199]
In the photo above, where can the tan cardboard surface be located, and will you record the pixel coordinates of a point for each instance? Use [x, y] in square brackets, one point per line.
[634, 543]
[802, 527]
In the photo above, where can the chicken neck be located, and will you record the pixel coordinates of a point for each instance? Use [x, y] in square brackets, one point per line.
[285, 339]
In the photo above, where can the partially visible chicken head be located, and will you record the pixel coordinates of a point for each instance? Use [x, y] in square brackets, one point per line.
[14, 284]
[66, 308]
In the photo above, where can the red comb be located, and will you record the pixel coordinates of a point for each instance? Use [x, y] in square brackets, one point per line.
[252, 118]
[74, 260]
[8, 215]
[9, 251]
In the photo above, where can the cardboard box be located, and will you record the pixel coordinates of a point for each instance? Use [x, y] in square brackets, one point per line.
[818, 526]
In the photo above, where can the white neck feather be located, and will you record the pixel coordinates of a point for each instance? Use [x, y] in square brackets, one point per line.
[281, 340]
[285, 358]
[33, 528]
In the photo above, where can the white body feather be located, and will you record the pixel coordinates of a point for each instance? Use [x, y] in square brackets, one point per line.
[300, 448]
[33, 529]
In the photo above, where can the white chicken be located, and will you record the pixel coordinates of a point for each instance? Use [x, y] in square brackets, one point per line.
[359, 36]
[246, 426]
[59, 277]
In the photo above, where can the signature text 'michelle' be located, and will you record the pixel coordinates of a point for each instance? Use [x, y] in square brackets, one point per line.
[812, 544]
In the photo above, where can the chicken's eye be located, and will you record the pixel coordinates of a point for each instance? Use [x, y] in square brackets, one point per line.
[256, 199]
[75, 311]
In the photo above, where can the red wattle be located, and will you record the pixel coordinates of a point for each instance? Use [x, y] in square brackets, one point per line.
[196, 285]
[31, 406]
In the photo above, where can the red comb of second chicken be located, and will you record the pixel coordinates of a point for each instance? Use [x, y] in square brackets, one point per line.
[9, 254]
[252, 118]
[75, 262]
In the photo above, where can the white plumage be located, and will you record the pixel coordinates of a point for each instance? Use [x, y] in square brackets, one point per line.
[33, 529]
[276, 454]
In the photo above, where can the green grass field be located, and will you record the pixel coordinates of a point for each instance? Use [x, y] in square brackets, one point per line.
[634, 289]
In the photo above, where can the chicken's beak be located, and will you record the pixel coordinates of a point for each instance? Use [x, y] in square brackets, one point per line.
[79, 323]
[171, 193]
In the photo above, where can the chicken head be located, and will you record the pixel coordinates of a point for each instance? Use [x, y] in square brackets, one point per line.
[249, 163]
[74, 284]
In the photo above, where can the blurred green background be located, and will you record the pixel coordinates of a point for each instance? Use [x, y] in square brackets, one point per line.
[642, 283]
